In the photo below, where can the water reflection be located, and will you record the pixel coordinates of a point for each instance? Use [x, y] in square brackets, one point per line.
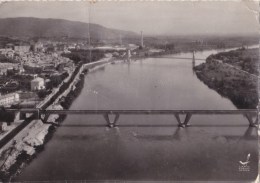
[175, 136]
[178, 134]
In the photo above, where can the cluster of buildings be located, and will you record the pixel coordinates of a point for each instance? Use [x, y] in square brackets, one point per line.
[9, 99]
[35, 62]
[14, 97]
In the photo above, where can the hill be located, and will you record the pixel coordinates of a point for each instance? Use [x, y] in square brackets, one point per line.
[36, 27]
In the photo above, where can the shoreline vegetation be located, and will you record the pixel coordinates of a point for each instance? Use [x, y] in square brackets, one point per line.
[233, 75]
[21, 156]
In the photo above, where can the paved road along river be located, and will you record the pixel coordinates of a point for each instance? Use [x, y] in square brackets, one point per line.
[147, 147]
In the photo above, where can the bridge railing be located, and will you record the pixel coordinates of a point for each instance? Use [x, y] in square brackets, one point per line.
[250, 114]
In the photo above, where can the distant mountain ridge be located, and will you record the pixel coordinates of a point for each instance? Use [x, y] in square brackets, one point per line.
[38, 27]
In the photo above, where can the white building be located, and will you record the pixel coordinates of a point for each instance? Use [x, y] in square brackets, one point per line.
[22, 48]
[9, 99]
[3, 126]
[37, 84]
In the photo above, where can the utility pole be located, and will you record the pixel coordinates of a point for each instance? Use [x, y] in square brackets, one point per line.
[142, 40]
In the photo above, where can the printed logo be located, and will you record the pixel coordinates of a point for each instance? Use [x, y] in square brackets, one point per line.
[244, 165]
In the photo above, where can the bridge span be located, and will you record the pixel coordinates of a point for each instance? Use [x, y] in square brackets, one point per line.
[182, 58]
[193, 59]
[112, 116]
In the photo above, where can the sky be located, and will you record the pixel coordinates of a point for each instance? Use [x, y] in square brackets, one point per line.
[153, 18]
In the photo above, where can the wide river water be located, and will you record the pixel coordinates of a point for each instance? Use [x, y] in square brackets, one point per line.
[147, 147]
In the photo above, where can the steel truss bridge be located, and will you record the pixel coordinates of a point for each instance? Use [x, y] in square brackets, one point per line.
[111, 116]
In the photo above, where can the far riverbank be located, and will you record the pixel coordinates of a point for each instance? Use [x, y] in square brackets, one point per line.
[233, 75]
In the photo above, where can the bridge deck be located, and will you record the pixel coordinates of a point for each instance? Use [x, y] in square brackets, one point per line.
[248, 113]
[135, 112]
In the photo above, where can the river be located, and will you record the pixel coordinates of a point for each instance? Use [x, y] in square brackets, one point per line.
[148, 147]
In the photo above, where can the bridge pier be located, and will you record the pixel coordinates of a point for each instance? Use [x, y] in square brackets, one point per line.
[179, 120]
[252, 123]
[111, 123]
[186, 120]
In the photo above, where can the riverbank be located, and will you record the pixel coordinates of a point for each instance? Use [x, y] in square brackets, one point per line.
[225, 73]
[16, 154]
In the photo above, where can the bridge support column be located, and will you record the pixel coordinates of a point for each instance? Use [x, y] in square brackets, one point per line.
[187, 119]
[252, 123]
[110, 123]
[180, 124]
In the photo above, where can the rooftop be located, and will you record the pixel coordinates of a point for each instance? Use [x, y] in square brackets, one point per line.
[38, 79]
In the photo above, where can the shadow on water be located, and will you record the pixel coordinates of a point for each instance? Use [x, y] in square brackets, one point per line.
[249, 134]
[146, 125]
[78, 137]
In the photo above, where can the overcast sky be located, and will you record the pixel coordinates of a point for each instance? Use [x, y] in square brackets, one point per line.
[152, 17]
